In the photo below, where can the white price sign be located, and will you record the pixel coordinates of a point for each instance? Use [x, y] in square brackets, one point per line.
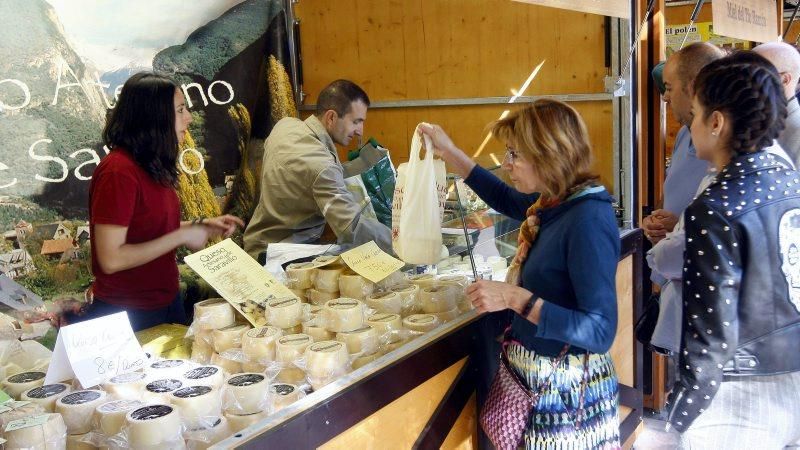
[751, 20]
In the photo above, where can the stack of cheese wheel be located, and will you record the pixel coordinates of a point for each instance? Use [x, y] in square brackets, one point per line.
[282, 395]
[258, 346]
[46, 395]
[409, 296]
[353, 285]
[50, 434]
[299, 276]
[199, 405]
[325, 362]
[227, 343]
[314, 326]
[360, 342]
[422, 280]
[288, 350]
[284, 313]
[343, 314]
[387, 326]
[420, 323]
[78, 409]
[15, 385]
[326, 278]
[154, 426]
[109, 417]
[209, 315]
[126, 386]
[460, 283]
[440, 300]
[320, 297]
[385, 302]
[246, 393]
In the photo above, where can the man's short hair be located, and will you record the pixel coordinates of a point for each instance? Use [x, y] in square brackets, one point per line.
[693, 57]
[338, 96]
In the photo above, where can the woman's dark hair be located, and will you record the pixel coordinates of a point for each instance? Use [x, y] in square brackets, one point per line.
[747, 89]
[143, 123]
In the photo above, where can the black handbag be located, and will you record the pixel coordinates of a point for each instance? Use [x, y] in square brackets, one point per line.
[647, 323]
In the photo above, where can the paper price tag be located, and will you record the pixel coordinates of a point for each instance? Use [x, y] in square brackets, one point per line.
[371, 262]
[27, 422]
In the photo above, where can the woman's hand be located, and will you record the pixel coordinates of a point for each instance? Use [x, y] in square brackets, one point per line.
[195, 237]
[224, 225]
[444, 148]
[489, 296]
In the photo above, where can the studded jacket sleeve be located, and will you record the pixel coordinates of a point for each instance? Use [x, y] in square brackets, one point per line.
[711, 283]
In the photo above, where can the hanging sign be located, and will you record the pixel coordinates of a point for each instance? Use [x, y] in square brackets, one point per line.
[613, 8]
[751, 20]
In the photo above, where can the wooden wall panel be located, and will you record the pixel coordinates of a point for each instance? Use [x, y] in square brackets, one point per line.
[439, 49]
[622, 350]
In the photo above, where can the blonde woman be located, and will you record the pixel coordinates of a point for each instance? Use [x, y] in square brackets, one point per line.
[561, 287]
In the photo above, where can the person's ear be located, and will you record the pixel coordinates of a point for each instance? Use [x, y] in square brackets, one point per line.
[329, 118]
[718, 123]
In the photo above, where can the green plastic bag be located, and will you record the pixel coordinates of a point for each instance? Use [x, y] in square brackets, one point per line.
[379, 181]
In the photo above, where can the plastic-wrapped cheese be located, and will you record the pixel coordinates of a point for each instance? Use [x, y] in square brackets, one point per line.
[362, 361]
[291, 347]
[228, 365]
[343, 314]
[169, 368]
[301, 294]
[299, 275]
[284, 312]
[238, 422]
[326, 359]
[154, 426]
[202, 348]
[291, 375]
[158, 391]
[213, 314]
[229, 337]
[109, 417]
[51, 434]
[387, 326]
[80, 442]
[46, 395]
[13, 410]
[363, 340]
[422, 280]
[205, 375]
[246, 393]
[197, 404]
[78, 409]
[353, 285]
[409, 294]
[282, 395]
[258, 344]
[393, 279]
[437, 299]
[326, 260]
[319, 297]
[253, 367]
[15, 385]
[326, 278]
[211, 432]
[447, 316]
[421, 323]
[317, 332]
[297, 329]
[385, 302]
[126, 386]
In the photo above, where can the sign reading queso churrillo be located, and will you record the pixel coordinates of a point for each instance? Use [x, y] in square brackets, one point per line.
[614, 8]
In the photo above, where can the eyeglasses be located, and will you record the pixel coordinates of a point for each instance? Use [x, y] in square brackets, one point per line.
[511, 156]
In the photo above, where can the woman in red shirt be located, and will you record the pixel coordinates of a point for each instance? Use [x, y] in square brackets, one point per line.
[134, 211]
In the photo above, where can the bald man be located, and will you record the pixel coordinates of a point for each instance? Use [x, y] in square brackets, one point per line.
[786, 59]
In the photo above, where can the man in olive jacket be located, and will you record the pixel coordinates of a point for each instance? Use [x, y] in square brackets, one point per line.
[302, 178]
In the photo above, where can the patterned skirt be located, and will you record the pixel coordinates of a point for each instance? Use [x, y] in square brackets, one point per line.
[553, 422]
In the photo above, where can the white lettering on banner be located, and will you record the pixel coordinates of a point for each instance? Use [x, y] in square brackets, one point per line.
[185, 88]
[227, 86]
[59, 161]
[61, 66]
[5, 167]
[183, 165]
[25, 91]
[102, 87]
[94, 160]
[752, 20]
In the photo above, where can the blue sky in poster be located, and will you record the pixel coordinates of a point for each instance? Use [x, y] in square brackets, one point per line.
[115, 33]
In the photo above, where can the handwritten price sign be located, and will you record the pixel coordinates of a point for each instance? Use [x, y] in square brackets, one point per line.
[371, 262]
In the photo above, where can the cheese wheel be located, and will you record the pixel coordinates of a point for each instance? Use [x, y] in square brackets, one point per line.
[201, 352]
[455, 280]
[344, 314]
[197, 404]
[326, 279]
[229, 337]
[205, 376]
[387, 326]
[80, 442]
[238, 422]
[437, 299]
[422, 280]
[282, 395]
[209, 433]
[126, 386]
[301, 294]
[319, 298]
[409, 295]
[291, 375]
[50, 435]
[362, 361]
[246, 393]
[15, 385]
[394, 346]
[213, 314]
[158, 391]
[363, 341]
[78, 409]
[10, 369]
[228, 365]
[169, 368]
[353, 285]
[421, 323]
[385, 302]
[154, 425]
[393, 279]
[297, 329]
[447, 315]
[109, 417]
[258, 344]
[291, 347]
[253, 367]
[326, 359]
[13, 410]
[46, 395]
[284, 312]
[325, 260]
[300, 275]
[317, 332]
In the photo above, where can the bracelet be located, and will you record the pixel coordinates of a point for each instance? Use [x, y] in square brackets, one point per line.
[528, 307]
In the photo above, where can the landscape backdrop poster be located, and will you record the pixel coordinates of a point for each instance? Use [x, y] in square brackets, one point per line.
[62, 65]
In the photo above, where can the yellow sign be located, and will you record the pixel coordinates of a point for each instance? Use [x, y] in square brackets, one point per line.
[613, 8]
[238, 278]
[699, 32]
[752, 20]
[371, 262]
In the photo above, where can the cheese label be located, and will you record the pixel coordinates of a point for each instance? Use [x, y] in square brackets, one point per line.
[162, 386]
[294, 339]
[262, 332]
[358, 331]
[81, 397]
[324, 260]
[201, 372]
[151, 412]
[127, 377]
[421, 318]
[246, 379]
[12, 405]
[192, 391]
[282, 302]
[327, 347]
[372, 263]
[382, 295]
[343, 304]
[383, 318]
[47, 391]
[404, 288]
[282, 389]
[167, 364]
[305, 265]
[421, 277]
[26, 377]
[118, 406]
[27, 422]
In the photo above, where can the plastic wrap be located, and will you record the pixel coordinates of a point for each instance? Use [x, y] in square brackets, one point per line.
[300, 275]
[387, 326]
[46, 395]
[326, 361]
[160, 390]
[31, 433]
[15, 385]
[12, 410]
[77, 408]
[168, 368]
[409, 294]
[126, 386]
[385, 302]
[326, 278]
[246, 393]
[213, 314]
[237, 422]
[418, 324]
[363, 341]
[207, 434]
[284, 312]
[422, 280]
[229, 337]
[319, 297]
[343, 314]
[281, 395]
[258, 344]
[225, 361]
[353, 285]
[205, 375]
[439, 298]
[154, 427]
[392, 280]
[460, 282]
[197, 404]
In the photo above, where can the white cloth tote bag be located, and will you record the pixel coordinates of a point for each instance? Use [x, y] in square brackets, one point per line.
[418, 205]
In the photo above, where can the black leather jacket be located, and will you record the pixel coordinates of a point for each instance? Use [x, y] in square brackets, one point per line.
[741, 283]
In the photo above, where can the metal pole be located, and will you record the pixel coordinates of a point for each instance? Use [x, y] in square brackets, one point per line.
[695, 13]
[791, 21]
[293, 51]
